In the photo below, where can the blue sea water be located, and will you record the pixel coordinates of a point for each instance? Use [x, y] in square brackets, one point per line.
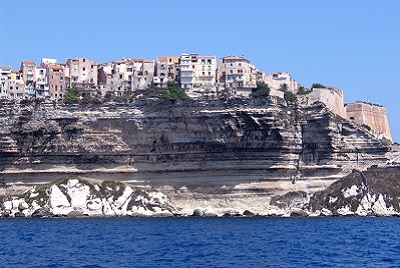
[200, 242]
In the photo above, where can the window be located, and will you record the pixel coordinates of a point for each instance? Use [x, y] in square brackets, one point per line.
[84, 60]
[209, 61]
[240, 64]
[41, 72]
[120, 76]
[203, 73]
[231, 71]
[91, 66]
[203, 60]
[83, 69]
[61, 78]
[56, 88]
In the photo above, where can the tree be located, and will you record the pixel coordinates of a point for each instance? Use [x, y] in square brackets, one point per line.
[303, 91]
[317, 85]
[72, 94]
[290, 97]
[283, 87]
[174, 92]
[262, 90]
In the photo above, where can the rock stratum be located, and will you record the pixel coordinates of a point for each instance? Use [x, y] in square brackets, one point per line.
[213, 157]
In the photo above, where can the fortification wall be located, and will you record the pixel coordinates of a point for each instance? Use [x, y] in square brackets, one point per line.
[331, 97]
[370, 114]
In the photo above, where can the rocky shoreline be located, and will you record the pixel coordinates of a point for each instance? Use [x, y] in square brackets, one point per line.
[375, 192]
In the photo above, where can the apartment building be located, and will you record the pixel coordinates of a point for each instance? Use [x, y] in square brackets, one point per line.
[205, 71]
[17, 86]
[28, 69]
[197, 71]
[126, 75]
[277, 80]
[82, 73]
[56, 78]
[167, 70]
[143, 73]
[237, 74]
[41, 82]
[5, 77]
[187, 67]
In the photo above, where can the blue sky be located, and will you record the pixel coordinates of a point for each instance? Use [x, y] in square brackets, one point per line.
[353, 45]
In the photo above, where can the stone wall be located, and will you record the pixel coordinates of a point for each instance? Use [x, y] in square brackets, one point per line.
[332, 97]
[370, 114]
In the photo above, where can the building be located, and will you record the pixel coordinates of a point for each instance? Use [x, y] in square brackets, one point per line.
[41, 82]
[126, 75]
[197, 73]
[281, 80]
[142, 73]
[187, 67]
[370, 115]
[5, 77]
[205, 71]
[17, 86]
[82, 73]
[238, 75]
[28, 69]
[167, 70]
[56, 79]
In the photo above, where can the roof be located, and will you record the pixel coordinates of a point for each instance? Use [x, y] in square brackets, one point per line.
[206, 57]
[54, 66]
[28, 62]
[161, 59]
[235, 58]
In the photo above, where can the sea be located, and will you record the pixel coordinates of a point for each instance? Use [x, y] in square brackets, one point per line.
[200, 242]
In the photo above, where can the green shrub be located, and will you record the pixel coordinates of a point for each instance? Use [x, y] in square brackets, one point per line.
[262, 90]
[317, 85]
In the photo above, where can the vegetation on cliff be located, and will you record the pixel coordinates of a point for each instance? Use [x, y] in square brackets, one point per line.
[262, 90]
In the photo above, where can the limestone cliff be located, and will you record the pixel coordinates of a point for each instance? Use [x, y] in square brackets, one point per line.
[233, 153]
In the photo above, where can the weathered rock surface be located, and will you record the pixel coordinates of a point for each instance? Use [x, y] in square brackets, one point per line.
[76, 197]
[221, 156]
[375, 192]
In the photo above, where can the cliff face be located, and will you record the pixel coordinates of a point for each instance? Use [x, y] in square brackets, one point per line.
[220, 153]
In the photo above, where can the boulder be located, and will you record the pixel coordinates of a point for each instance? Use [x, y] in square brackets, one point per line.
[75, 213]
[326, 212]
[197, 212]
[299, 213]
[248, 213]
[19, 214]
[43, 212]
[23, 205]
[6, 214]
